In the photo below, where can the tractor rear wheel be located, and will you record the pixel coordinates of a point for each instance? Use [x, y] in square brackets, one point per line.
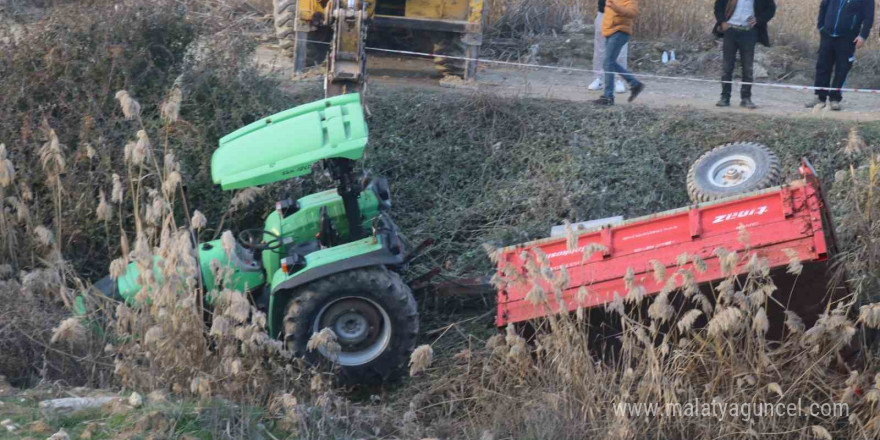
[373, 315]
[731, 170]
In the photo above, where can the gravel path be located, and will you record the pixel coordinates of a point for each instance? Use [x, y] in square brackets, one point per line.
[572, 86]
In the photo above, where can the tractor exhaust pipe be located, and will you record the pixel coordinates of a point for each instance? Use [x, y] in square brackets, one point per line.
[349, 188]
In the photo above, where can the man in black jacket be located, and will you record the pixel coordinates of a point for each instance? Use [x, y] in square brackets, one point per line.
[742, 24]
[843, 25]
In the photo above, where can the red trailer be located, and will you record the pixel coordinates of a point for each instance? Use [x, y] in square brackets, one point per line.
[778, 220]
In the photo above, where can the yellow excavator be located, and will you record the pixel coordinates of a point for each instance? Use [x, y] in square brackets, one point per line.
[454, 28]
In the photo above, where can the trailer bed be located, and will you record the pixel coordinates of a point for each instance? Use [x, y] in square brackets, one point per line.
[790, 217]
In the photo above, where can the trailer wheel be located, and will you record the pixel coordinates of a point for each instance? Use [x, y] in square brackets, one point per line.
[732, 169]
[371, 311]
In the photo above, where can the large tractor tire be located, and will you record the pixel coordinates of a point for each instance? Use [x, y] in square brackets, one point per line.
[284, 12]
[371, 311]
[450, 47]
[306, 48]
[731, 170]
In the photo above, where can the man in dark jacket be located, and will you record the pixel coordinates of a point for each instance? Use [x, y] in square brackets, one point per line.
[742, 24]
[843, 25]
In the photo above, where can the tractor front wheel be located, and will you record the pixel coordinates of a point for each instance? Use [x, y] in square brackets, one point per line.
[373, 315]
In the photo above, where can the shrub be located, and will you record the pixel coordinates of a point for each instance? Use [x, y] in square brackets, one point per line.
[61, 96]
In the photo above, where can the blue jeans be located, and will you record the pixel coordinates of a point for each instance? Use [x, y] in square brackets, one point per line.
[613, 45]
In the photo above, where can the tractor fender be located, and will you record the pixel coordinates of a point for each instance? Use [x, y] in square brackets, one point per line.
[283, 285]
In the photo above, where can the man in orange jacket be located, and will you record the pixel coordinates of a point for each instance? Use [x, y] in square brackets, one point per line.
[617, 27]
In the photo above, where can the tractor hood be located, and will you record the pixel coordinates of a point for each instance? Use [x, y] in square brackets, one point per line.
[286, 144]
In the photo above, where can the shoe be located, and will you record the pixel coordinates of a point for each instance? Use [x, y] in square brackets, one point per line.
[619, 86]
[597, 84]
[604, 101]
[814, 102]
[747, 103]
[634, 91]
[723, 102]
[835, 106]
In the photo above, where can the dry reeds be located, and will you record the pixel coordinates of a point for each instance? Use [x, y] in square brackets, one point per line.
[231, 354]
[711, 350]
[668, 360]
[794, 24]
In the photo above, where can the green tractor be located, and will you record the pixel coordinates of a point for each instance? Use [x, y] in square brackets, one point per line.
[327, 260]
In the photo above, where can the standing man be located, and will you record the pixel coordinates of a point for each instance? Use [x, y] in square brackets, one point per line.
[617, 27]
[599, 55]
[844, 25]
[742, 24]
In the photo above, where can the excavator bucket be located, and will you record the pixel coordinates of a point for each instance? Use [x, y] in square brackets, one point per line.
[286, 144]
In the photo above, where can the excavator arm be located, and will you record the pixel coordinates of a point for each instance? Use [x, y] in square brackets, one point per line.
[347, 61]
[455, 28]
[347, 73]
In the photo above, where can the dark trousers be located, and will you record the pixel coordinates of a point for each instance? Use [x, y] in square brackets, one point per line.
[742, 41]
[837, 54]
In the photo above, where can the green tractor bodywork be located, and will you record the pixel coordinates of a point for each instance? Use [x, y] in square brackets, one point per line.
[287, 144]
[312, 238]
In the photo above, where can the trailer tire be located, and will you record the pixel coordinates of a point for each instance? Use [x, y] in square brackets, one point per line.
[732, 169]
[373, 313]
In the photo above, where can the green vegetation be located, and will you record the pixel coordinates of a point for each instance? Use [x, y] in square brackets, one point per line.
[467, 170]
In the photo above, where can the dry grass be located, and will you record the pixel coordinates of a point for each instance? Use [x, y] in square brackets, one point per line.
[556, 389]
[472, 388]
[556, 386]
[505, 179]
[31, 308]
[63, 128]
[794, 24]
[673, 20]
[65, 179]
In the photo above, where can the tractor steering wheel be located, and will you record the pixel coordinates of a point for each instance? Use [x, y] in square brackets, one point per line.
[252, 239]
